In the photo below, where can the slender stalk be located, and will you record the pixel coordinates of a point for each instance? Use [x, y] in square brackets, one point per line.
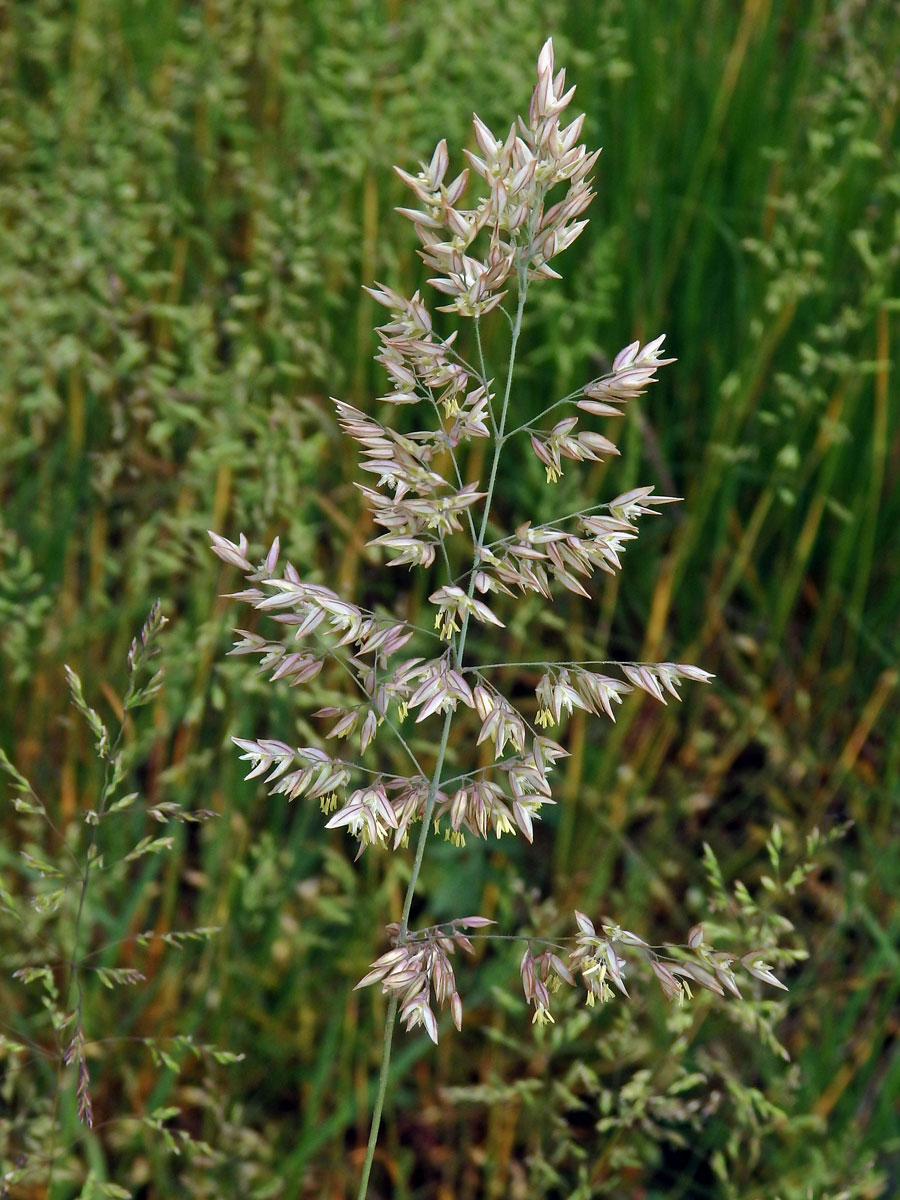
[531, 424]
[561, 662]
[581, 512]
[110, 780]
[484, 378]
[384, 716]
[379, 1098]
[480, 351]
[391, 1015]
[459, 480]
[554, 524]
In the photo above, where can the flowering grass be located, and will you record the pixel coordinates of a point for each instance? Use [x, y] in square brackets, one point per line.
[191, 202]
[493, 251]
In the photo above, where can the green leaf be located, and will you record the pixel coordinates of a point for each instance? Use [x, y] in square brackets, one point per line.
[148, 845]
[163, 1114]
[14, 773]
[111, 976]
[99, 730]
[42, 866]
[123, 802]
[33, 974]
[47, 903]
[226, 1056]
[27, 806]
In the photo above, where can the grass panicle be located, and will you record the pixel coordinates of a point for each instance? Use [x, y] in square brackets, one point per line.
[192, 201]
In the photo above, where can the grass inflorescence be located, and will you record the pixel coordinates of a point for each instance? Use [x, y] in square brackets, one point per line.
[191, 200]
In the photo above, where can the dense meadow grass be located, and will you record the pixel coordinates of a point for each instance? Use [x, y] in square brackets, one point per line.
[191, 198]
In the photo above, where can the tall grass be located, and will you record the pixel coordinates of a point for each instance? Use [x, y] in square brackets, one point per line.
[191, 197]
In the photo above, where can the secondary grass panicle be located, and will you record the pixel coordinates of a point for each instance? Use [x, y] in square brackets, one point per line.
[71, 874]
[532, 186]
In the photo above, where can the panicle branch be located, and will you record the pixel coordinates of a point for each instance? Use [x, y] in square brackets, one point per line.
[413, 968]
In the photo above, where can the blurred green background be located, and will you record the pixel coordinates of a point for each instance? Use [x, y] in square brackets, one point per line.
[191, 197]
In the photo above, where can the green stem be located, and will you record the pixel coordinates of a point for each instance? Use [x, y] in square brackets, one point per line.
[530, 425]
[442, 750]
[379, 1099]
[484, 380]
[111, 779]
[563, 662]
[557, 521]
[384, 716]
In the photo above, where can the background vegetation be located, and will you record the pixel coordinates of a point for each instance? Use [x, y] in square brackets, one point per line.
[191, 196]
